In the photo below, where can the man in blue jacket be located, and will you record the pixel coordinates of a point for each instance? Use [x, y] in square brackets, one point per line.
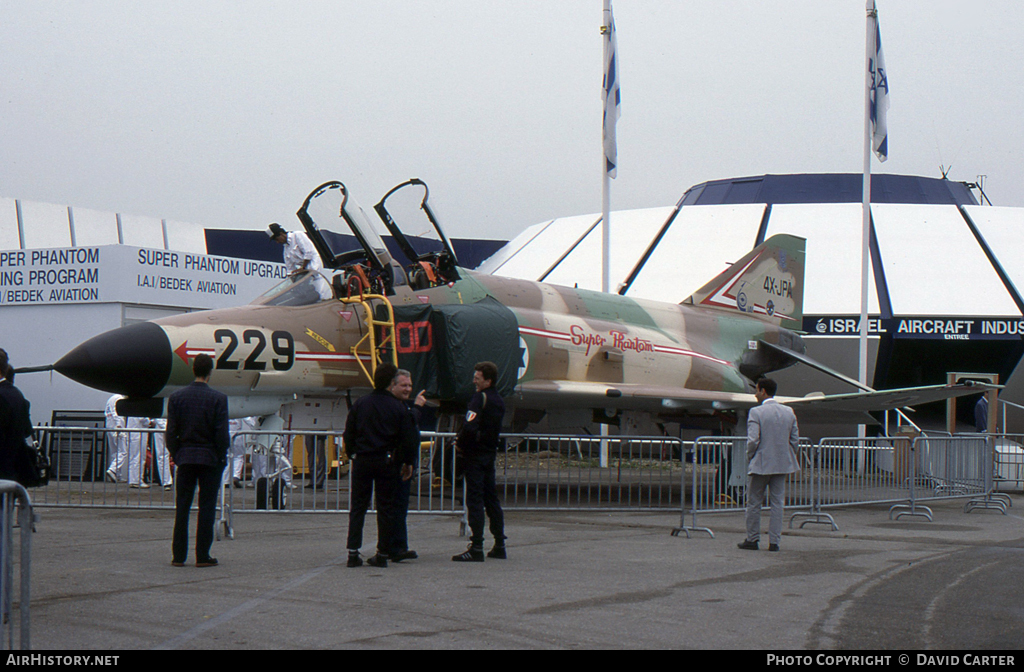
[477, 446]
[198, 440]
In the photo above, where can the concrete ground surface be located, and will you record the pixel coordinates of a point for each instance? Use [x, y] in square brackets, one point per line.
[102, 580]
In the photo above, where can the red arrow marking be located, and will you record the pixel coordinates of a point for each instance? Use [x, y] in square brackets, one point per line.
[184, 352]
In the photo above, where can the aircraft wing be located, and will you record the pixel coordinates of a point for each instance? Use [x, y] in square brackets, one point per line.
[856, 406]
[667, 400]
[652, 398]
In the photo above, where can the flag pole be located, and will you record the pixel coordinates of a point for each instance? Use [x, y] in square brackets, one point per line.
[606, 235]
[608, 160]
[865, 250]
[865, 267]
[606, 180]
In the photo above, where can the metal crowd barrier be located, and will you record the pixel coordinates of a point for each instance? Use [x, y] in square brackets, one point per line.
[274, 472]
[79, 460]
[14, 496]
[879, 470]
[836, 472]
[565, 472]
[718, 476]
[951, 467]
[1009, 461]
[532, 472]
[560, 471]
[278, 476]
[862, 470]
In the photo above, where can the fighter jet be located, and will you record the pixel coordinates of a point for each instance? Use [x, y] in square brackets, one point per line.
[556, 347]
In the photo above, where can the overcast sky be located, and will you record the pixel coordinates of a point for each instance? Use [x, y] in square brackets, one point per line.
[228, 113]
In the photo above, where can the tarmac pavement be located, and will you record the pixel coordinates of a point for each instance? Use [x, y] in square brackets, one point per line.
[102, 581]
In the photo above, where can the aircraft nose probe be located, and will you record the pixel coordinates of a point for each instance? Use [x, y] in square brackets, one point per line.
[134, 361]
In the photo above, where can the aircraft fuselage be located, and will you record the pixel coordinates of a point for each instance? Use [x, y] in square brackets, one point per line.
[276, 353]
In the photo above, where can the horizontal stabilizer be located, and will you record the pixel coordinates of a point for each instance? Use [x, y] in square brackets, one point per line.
[814, 364]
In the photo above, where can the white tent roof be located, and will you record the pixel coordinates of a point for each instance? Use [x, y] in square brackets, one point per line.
[933, 263]
[1002, 230]
[46, 225]
[544, 248]
[833, 249]
[631, 233]
[9, 225]
[701, 243]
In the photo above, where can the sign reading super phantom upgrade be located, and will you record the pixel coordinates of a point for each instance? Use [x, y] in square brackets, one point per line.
[125, 274]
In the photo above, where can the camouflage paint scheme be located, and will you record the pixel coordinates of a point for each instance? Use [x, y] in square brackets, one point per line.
[578, 344]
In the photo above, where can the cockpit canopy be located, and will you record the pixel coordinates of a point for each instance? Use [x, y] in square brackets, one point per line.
[302, 289]
[329, 212]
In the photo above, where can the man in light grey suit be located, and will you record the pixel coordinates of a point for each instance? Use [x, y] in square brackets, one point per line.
[773, 440]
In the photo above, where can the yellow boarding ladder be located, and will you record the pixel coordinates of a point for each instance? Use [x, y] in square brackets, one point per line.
[369, 347]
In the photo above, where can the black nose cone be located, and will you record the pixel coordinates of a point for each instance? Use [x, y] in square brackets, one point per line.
[134, 361]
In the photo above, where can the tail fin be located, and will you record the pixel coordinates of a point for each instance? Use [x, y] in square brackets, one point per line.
[768, 282]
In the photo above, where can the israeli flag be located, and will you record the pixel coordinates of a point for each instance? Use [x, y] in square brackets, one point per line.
[610, 95]
[879, 99]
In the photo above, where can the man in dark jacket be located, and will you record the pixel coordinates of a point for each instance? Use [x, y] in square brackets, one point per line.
[382, 438]
[401, 389]
[198, 440]
[15, 425]
[477, 445]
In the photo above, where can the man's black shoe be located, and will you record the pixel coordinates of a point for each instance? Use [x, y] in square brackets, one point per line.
[404, 555]
[209, 562]
[472, 554]
[748, 545]
[378, 561]
[773, 547]
[498, 553]
[354, 560]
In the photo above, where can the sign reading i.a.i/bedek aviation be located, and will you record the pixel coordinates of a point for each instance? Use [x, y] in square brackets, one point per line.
[125, 274]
